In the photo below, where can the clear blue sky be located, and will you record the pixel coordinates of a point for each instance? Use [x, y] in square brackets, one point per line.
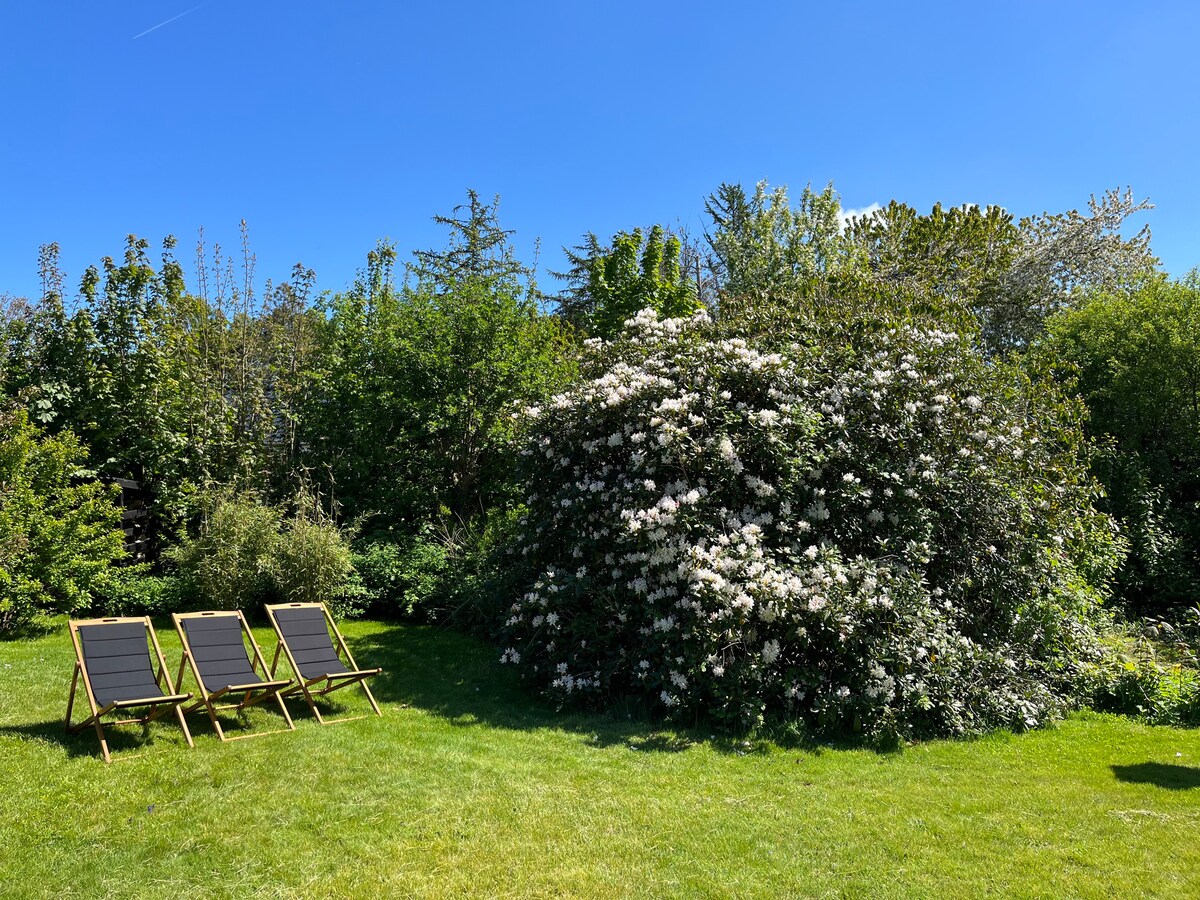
[330, 125]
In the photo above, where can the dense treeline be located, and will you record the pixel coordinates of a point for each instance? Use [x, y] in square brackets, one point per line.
[369, 438]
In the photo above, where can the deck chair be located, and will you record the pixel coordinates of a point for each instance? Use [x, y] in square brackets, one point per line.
[113, 658]
[214, 646]
[303, 630]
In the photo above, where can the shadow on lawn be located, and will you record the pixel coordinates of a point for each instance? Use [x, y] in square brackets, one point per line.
[1165, 775]
[122, 739]
[134, 739]
[459, 678]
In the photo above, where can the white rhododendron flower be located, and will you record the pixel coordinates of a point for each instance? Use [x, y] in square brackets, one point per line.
[832, 529]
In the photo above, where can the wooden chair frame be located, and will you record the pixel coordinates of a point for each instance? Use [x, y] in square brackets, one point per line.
[267, 688]
[158, 706]
[332, 682]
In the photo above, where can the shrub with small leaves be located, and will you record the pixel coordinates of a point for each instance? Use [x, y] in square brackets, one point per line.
[59, 533]
[401, 577]
[869, 528]
[313, 562]
[132, 591]
[229, 563]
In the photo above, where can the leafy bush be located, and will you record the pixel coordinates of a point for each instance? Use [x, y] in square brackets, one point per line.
[247, 553]
[480, 575]
[874, 527]
[402, 578]
[132, 592]
[230, 563]
[58, 538]
[1140, 675]
[313, 563]
[1135, 359]
[410, 409]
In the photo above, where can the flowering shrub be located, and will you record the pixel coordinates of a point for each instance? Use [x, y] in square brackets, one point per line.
[873, 528]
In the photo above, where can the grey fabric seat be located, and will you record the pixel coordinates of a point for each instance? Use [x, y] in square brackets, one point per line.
[112, 657]
[308, 638]
[214, 644]
[118, 663]
[304, 631]
[219, 653]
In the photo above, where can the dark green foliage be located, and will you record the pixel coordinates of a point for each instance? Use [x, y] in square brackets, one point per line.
[404, 579]
[1135, 358]
[175, 390]
[104, 370]
[865, 524]
[411, 414]
[478, 250]
[403, 403]
[59, 532]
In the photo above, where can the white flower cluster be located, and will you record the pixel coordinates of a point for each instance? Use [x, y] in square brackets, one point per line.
[740, 532]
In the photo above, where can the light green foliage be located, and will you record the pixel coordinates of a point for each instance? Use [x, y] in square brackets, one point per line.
[246, 552]
[58, 537]
[230, 563]
[1151, 672]
[959, 255]
[775, 261]
[1134, 357]
[465, 788]
[634, 275]
[313, 562]
[768, 252]
[133, 591]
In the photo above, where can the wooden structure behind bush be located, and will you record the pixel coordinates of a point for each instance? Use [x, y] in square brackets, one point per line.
[135, 520]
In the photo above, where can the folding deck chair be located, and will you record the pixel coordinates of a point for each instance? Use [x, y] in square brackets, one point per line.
[213, 645]
[303, 630]
[113, 657]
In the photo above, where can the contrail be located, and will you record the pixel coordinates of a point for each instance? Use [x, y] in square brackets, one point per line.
[168, 22]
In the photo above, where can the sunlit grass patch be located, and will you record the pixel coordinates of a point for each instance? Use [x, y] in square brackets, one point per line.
[466, 786]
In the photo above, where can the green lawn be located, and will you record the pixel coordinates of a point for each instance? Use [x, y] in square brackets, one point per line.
[465, 786]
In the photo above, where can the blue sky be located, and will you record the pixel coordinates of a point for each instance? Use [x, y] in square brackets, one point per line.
[330, 125]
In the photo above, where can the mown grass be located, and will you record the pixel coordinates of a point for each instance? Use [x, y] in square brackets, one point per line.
[467, 787]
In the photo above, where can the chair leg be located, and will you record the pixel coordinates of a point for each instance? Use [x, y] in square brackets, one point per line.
[71, 700]
[183, 724]
[216, 724]
[103, 739]
[312, 703]
[370, 697]
[287, 717]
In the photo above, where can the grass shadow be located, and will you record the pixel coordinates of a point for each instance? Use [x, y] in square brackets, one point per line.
[459, 678]
[122, 739]
[1164, 775]
[247, 722]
